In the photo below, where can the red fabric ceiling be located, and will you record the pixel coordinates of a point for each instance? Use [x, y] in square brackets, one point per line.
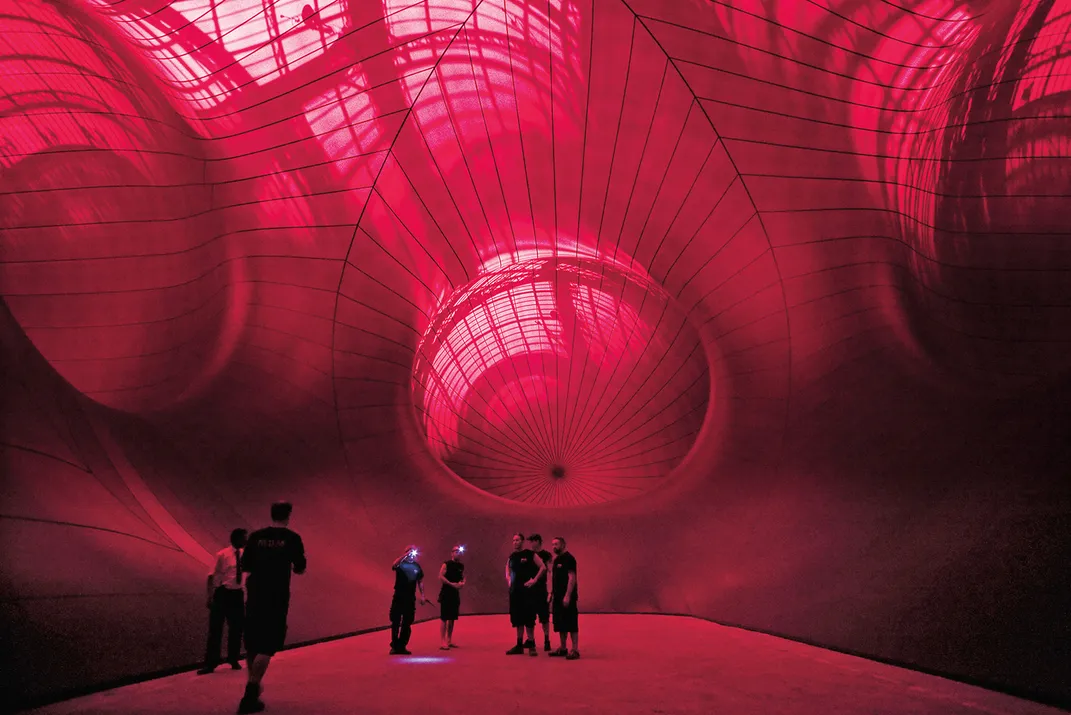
[767, 278]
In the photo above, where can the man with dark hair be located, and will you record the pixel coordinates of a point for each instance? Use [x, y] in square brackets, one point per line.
[452, 575]
[271, 554]
[408, 577]
[542, 605]
[522, 573]
[563, 599]
[226, 602]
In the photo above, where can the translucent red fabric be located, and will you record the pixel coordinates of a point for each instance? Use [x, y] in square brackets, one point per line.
[783, 281]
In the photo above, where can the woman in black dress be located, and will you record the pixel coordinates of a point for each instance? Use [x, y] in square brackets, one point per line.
[452, 575]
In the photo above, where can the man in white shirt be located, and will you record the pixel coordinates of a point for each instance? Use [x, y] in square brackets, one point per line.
[226, 601]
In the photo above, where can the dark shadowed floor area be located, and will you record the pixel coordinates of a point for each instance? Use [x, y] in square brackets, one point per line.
[629, 664]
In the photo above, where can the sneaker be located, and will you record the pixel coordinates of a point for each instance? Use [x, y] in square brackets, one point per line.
[250, 706]
[404, 651]
[452, 645]
[533, 652]
[516, 650]
[251, 702]
[206, 670]
[529, 644]
[573, 655]
[235, 665]
[558, 653]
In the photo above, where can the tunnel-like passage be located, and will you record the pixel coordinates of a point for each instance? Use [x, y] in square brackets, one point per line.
[780, 286]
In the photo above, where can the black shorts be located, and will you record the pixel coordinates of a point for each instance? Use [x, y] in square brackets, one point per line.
[521, 609]
[449, 604]
[566, 619]
[541, 605]
[265, 626]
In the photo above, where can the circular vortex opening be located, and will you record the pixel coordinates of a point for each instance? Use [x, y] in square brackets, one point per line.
[561, 382]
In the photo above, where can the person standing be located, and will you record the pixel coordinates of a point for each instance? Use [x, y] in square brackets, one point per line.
[408, 577]
[452, 575]
[270, 556]
[523, 570]
[563, 600]
[542, 605]
[226, 602]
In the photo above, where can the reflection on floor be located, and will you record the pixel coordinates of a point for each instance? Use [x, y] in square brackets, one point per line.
[629, 664]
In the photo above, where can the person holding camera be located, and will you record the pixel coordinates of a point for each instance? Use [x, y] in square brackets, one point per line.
[408, 578]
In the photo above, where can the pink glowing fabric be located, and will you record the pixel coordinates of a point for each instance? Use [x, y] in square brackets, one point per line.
[786, 282]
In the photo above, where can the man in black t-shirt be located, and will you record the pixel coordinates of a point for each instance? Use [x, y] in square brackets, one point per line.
[408, 577]
[270, 555]
[542, 605]
[523, 570]
[564, 594]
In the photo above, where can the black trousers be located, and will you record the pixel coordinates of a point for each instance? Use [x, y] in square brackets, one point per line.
[402, 614]
[227, 605]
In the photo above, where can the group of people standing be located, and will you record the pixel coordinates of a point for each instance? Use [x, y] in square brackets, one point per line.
[542, 586]
[249, 589]
[532, 595]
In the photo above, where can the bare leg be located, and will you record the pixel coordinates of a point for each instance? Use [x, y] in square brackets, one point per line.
[449, 632]
[520, 634]
[258, 665]
[575, 638]
[546, 632]
[259, 668]
[442, 633]
[562, 637]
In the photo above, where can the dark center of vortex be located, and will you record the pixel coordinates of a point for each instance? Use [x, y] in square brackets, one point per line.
[557, 471]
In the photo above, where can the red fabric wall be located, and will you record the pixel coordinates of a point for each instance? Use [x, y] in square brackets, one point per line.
[764, 306]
